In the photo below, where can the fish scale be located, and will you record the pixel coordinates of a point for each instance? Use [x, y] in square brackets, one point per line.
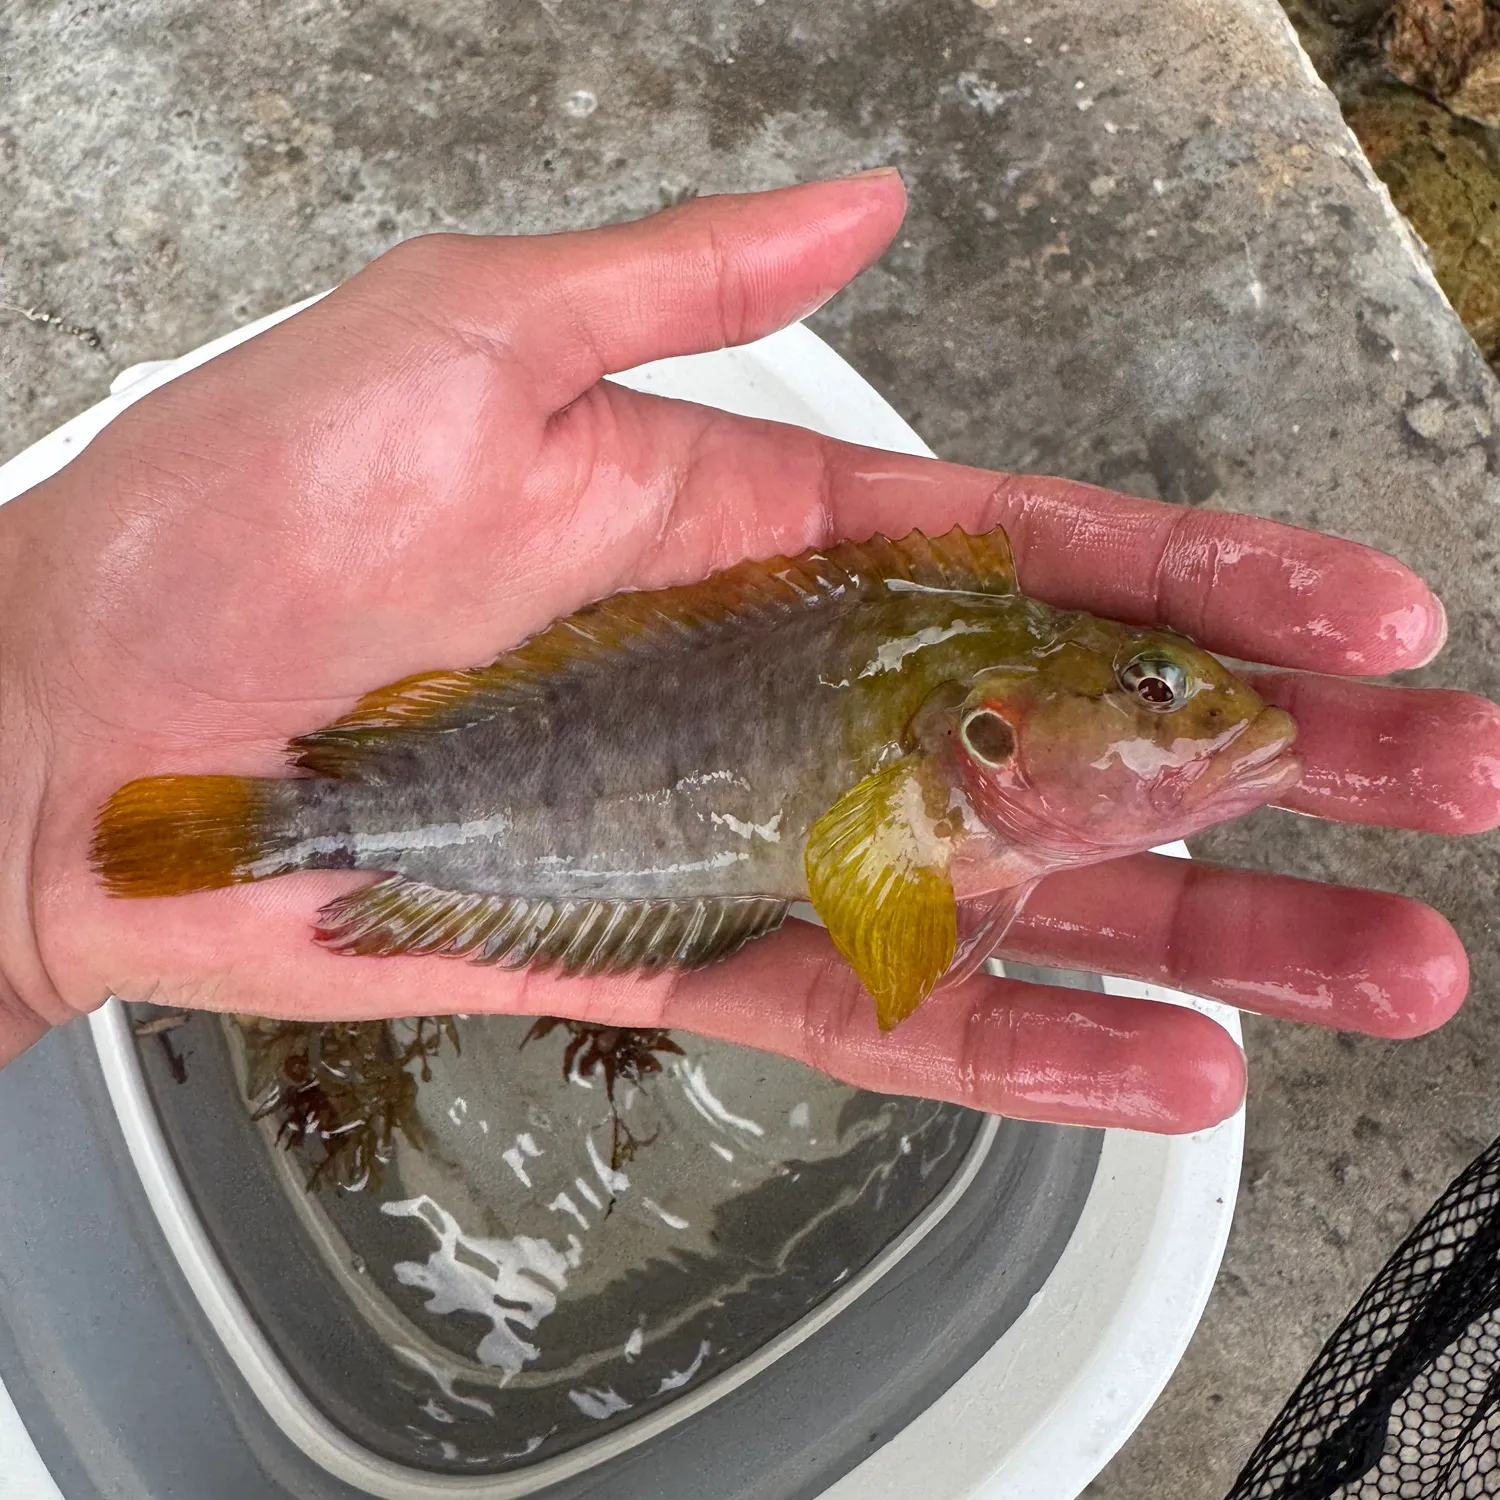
[741, 746]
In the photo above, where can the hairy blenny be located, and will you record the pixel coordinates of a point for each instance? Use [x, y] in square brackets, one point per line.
[888, 729]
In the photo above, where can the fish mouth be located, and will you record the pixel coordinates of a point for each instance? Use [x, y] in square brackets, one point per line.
[1257, 767]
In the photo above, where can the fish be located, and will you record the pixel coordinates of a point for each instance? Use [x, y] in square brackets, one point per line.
[890, 730]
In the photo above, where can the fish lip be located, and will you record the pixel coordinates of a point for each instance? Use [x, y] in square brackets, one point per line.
[1278, 774]
[1272, 762]
[1234, 796]
[1261, 771]
[1267, 754]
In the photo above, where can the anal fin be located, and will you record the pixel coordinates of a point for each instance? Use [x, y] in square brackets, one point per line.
[579, 936]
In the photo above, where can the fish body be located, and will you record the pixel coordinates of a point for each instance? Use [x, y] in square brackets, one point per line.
[697, 775]
[890, 730]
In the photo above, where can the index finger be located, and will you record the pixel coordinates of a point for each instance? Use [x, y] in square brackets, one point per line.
[1246, 587]
[1254, 589]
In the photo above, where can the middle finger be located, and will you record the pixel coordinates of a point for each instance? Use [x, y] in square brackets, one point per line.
[1419, 758]
[1357, 960]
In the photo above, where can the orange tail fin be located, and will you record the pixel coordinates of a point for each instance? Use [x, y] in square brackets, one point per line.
[168, 835]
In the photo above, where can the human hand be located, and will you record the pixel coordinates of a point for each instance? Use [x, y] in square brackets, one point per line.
[426, 467]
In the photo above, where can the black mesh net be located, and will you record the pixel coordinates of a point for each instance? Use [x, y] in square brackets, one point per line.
[1404, 1399]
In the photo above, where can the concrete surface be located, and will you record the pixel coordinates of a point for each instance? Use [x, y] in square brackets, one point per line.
[1141, 251]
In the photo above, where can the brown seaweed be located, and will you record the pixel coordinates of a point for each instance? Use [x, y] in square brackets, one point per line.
[161, 1027]
[615, 1052]
[342, 1088]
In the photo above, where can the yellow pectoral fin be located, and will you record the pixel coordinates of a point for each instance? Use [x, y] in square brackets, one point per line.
[877, 874]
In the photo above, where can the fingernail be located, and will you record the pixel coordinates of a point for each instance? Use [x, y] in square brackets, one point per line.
[1439, 637]
[874, 172]
[822, 299]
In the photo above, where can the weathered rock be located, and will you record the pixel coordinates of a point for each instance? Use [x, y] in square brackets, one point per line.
[1443, 175]
[1449, 49]
[1431, 44]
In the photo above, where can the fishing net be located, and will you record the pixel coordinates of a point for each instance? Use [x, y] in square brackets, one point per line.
[1404, 1399]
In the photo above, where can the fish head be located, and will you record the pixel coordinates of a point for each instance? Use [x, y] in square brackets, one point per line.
[1103, 740]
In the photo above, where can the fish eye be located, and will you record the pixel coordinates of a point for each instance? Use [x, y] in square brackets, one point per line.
[1158, 681]
[987, 737]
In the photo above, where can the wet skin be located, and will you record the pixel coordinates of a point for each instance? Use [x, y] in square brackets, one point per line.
[425, 469]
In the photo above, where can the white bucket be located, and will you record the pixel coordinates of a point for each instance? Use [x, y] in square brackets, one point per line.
[1045, 1409]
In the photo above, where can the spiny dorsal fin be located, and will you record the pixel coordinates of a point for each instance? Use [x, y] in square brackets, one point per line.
[583, 936]
[877, 874]
[754, 593]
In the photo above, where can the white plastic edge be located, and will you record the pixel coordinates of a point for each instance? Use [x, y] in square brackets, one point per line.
[23, 1475]
[1042, 1412]
[278, 1391]
[1039, 1415]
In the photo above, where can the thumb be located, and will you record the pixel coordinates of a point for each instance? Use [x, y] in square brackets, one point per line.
[570, 308]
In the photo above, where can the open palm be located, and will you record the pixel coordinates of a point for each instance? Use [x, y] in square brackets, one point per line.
[426, 467]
